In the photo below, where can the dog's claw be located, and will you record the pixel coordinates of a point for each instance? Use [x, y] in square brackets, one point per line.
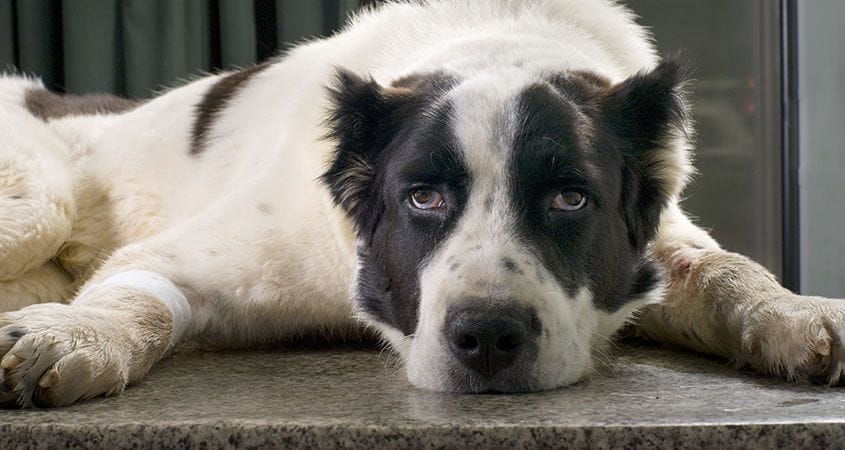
[9, 362]
[49, 379]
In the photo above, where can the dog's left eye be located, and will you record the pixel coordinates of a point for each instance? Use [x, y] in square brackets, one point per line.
[427, 199]
[569, 201]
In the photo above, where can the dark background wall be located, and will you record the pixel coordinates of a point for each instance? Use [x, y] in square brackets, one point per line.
[735, 95]
[136, 47]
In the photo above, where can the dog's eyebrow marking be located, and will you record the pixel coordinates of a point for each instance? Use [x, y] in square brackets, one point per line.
[215, 101]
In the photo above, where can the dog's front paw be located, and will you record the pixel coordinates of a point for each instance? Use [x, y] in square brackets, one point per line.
[798, 338]
[53, 355]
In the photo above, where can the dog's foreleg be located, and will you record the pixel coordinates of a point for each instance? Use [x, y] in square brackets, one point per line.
[122, 321]
[723, 303]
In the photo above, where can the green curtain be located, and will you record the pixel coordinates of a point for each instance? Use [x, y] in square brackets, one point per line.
[136, 47]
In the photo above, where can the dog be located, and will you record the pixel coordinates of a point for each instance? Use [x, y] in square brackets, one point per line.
[490, 186]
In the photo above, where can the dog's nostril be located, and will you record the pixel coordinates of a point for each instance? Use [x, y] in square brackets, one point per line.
[508, 343]
[467, 342]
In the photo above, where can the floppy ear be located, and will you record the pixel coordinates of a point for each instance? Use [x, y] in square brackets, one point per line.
[362, 121]
[649, 117]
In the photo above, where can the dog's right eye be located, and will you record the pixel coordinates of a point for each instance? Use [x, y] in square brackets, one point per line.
[569, 201]
[427, 199]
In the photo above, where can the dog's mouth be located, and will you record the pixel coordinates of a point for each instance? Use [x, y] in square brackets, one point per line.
[511, 381]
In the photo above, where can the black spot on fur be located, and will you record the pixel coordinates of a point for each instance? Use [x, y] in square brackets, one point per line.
[455, 266]
[48, 105]
[15, 197]
[509, 265]
[215, 101]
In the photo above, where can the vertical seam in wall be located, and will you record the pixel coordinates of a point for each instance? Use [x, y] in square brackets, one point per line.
[790, 146]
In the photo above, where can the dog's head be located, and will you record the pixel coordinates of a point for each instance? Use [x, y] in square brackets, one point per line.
[503, 218]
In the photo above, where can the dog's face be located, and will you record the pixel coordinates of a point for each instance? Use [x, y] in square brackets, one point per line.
[503, 218]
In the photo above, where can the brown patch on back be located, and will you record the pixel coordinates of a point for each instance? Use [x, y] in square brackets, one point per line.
[48, 105]
[215, 101]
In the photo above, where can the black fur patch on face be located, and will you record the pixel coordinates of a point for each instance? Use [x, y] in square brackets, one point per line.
[45, 105]
[390, 141]
[581, 134]
[215, 101]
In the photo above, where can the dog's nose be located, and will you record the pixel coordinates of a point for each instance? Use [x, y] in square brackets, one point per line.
[487, 340]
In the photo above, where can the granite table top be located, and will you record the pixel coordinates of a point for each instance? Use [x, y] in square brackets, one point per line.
[646, 397]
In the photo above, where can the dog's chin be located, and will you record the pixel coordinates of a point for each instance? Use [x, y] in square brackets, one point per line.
[453, 378]
[462, 381]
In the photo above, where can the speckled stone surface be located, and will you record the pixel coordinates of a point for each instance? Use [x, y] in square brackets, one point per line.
[648, 397]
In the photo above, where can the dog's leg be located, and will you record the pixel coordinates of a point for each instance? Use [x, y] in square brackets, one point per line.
[36, 200]
[230, 268]
[723, 303]
[123, 321]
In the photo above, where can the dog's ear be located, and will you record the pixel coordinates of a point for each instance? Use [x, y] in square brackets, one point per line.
[364, 118]
[648, 116]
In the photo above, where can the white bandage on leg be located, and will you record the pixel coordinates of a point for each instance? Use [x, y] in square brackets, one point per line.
[151, 283]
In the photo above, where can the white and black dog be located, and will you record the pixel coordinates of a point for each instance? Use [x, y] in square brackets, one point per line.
[491, 185]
